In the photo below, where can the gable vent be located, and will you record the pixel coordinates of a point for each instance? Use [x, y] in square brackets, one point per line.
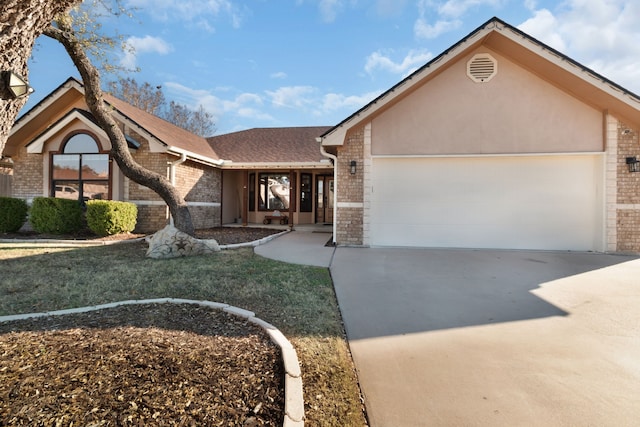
[482, 67]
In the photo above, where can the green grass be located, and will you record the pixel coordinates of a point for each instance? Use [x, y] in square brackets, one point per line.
[299, 300]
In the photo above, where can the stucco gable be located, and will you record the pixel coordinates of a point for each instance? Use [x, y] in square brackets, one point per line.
[548, 64]
[515, 112]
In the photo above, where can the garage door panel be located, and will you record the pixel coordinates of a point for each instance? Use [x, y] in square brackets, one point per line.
[535, 202]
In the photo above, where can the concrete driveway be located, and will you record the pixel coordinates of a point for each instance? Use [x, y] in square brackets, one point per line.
[499, 338]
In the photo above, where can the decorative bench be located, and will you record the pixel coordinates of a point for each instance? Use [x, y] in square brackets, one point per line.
[282, 218]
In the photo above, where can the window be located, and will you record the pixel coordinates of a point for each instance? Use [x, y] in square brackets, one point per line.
[80, 172]
[252, 192]
[306, 195]
[274, 191]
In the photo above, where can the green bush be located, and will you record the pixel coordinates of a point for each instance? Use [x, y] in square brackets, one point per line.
[56, 216]
[107, 217]
[13, 214]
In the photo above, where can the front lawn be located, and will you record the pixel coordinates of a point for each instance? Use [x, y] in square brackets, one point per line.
[299, 300]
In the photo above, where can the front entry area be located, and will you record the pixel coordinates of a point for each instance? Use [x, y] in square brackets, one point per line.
[324, 199]
[304, 196]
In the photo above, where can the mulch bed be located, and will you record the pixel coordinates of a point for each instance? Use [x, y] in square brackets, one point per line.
[155, 365]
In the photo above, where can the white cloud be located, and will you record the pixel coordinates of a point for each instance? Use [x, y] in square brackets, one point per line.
[279, 75]
[141, 45]
[387, 8]
[457, 8]
[335, 102]
[413, 60]
[292, 96]
[438, 17]
[329, 9]
[601, 35]
[423, 30]
[544, 27]
[245, 105]
[199, 11]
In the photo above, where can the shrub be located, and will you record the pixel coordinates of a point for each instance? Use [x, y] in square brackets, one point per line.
[13, 214]
[107, 217]
[56, 216]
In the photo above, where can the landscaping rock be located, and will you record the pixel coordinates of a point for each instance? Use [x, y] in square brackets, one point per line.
[173, 243]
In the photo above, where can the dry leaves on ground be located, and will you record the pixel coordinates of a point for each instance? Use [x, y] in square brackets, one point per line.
[151, 365]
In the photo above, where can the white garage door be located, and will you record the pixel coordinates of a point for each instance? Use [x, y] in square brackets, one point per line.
[528, 202]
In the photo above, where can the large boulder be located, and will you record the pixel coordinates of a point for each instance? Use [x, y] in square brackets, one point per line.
[173, 243]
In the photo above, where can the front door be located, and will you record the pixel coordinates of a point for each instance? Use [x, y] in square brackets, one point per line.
[324, 199]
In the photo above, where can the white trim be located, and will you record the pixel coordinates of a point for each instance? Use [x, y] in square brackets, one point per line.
[351, 205]
[611, 184]
[448, 156]
[194, 156]
[205, 204]
[629, 206]
[334, 224]
[37, 145]
[367, 185]
[282, 165]
[46, 103]
[148, 202]
[162, 203]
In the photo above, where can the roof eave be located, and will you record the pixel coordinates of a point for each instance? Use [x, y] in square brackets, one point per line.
[277, 165]
[195, 157]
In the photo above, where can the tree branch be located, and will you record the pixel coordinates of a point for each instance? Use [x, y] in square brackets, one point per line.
[119, 148]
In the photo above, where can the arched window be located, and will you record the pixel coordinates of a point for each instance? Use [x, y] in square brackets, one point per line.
[80, 172]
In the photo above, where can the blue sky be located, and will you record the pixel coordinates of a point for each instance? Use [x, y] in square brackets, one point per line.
[261, 63]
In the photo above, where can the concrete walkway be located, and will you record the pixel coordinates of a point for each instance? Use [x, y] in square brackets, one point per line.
[480, 337]
[300, 247]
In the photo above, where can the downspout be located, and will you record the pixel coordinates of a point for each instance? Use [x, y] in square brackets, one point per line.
[335, 187]
[172, 174]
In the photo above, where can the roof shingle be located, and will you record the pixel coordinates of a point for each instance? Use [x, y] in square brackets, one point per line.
[270, 145]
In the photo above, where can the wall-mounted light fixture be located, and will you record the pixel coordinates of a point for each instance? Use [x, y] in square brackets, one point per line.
[633, 164]
[352, 167]
[16, 85]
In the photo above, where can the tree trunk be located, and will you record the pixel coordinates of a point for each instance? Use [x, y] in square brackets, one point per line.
[119, 149]
[21, 22]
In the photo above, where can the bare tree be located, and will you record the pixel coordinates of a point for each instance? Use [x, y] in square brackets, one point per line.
[152, 100]
[144, 96]
[21, 22]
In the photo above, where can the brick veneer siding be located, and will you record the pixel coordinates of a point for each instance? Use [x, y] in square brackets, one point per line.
[200, 185]
[151, 218]
[350, 212]
[28, 175]
[628, 191]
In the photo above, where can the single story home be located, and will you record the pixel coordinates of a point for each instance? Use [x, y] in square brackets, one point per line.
[499, 142]
[57, 149]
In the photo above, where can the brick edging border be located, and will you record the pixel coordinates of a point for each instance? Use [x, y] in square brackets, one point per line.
[294, 400]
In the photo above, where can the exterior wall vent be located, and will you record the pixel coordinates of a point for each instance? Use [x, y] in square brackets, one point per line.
[482, 67]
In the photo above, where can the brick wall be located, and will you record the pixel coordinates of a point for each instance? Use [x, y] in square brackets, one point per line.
[6, 179]
[28, 175]
[151, 218]
[349, 221]
[628, 192]
[200, 185]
